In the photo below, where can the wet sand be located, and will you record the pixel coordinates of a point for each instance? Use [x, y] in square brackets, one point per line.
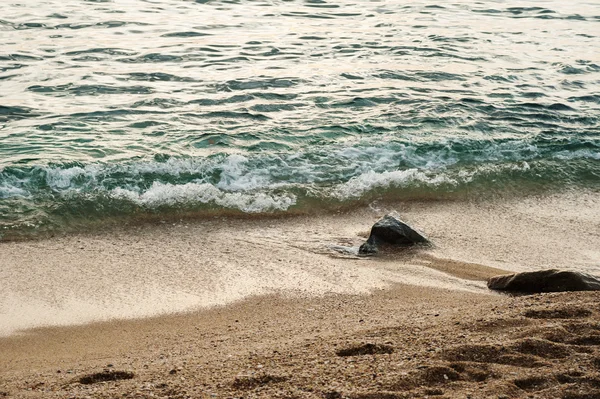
[258, 308]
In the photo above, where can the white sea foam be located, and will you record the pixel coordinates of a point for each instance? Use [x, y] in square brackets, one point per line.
[239, 173]
[7, 191]
[160, 194]
[171, 167]
[248, 182]
[366, 182]
[386, 158]
[62, 178]
[237, 176]
[578, 154]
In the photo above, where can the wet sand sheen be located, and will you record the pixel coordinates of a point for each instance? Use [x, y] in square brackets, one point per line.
[464, 270]
[153, 270]
[141, 304]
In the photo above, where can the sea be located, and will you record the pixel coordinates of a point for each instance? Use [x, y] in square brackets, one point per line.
[119, 111]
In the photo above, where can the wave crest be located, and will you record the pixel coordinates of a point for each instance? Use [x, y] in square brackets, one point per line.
[161, 194]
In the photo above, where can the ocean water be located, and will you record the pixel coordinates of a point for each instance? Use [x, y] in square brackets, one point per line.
[122, 109]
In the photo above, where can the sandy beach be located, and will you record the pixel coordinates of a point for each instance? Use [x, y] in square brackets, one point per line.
[280, 307]
[185, 187]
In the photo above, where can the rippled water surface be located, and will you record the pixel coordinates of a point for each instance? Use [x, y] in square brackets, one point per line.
[122, 107]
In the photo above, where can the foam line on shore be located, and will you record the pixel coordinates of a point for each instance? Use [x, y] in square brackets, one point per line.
[167, 268]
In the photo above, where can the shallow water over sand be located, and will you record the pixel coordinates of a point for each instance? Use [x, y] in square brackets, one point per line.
[153, 270]
[121, 108]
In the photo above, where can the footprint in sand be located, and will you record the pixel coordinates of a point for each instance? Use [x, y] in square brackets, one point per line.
[252, 382]
[534, 383]
[487, 353]
[365, 349]
[569, 312]
[107, 375]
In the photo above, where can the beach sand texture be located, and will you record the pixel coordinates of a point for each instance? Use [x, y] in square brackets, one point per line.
[262, 307]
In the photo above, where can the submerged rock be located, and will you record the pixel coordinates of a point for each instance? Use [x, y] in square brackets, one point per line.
[551, 280]
[391, 230]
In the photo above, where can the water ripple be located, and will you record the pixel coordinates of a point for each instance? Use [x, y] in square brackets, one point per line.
[89, 90]
[431, 92]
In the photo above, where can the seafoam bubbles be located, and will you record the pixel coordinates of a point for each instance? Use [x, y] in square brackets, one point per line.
[73, 178]
[326, 165]
[444, 178]
[12, 186]
[273, 181]
[371, 180]
[60, 179]
[238, 175]
[578, 154]
[411, 153]
[7, 191]
[390, 155]
[174, 166]
[161, 194]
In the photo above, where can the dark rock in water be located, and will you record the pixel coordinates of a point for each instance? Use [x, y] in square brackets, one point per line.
[551, 280]
[391, 230]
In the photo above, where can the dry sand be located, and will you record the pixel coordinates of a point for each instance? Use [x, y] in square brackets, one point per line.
[270, 304]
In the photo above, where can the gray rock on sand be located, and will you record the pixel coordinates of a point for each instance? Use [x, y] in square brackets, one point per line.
[391, 230]
[551, 280]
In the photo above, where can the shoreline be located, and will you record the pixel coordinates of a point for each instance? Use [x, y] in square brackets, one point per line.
[315, 208]
[260, 308]
[149, 270]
